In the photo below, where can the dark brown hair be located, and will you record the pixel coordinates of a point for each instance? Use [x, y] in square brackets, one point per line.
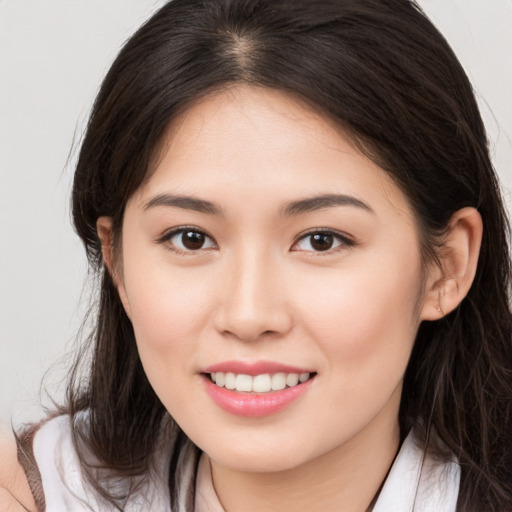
[382, 71]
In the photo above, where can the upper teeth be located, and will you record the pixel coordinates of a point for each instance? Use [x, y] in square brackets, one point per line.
[259, 383]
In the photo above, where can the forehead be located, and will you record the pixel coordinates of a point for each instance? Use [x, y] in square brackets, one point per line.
[247, 140]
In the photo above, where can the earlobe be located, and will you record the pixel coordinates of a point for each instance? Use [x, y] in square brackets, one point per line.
[105, 234]
[450, 282]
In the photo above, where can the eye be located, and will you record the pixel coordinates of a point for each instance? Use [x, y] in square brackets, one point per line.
[188, 240]
[321, 241]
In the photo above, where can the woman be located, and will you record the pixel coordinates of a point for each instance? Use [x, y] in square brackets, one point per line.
[304, 268]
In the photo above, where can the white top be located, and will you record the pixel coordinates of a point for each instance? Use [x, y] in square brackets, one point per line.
[414, 484]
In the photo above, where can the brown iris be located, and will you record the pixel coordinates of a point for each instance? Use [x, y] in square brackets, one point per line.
[322, 241]
[193, 240]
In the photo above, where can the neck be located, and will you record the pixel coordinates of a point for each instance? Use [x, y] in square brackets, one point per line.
[346, 478]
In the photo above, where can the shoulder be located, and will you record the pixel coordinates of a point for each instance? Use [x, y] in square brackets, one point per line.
[43, 465]
[14, 487]
[68, 466]
[419, 481]
[35, 452]
[56, 459]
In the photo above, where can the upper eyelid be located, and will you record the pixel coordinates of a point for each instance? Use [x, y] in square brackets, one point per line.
[330, 231]
[346, 242]
[178, 229]
[170, 233]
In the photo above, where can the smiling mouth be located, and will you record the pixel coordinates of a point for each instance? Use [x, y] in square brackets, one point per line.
[263, 383]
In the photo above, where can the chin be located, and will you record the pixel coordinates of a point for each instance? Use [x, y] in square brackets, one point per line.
[258, 462]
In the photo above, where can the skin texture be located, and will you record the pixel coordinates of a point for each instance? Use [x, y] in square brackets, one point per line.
[257, 290]
[15, 495]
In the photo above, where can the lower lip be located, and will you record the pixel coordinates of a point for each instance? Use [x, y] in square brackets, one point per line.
[252, 404]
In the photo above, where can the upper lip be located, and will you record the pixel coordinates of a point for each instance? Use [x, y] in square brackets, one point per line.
[254, 368]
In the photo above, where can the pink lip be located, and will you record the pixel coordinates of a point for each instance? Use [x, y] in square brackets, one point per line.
[254, 368]
[253, 404]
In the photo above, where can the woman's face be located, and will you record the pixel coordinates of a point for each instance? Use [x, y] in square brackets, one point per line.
[265, 250]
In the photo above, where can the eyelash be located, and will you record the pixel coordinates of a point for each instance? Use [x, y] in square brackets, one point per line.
[167, 237]
[342, 240]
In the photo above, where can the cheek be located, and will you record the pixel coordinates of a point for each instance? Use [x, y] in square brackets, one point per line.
[168, 316]
[168, 309]
[364, 317]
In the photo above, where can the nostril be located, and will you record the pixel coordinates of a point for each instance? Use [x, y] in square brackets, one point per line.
[250, 335]
[254, 320]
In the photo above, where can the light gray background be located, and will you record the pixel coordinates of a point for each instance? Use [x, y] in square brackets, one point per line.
[53, 55]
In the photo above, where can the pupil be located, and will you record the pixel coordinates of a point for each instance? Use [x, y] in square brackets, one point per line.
[321, 241]
[192, 240]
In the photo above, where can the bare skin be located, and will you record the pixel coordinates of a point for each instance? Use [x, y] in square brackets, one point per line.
[236, 172]
[15, 494]
[332, 448]
[354, 479]
[273, 160]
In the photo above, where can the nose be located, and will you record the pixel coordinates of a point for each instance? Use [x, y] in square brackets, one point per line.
[253, 299]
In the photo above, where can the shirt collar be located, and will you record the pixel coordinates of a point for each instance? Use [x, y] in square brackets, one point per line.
[416, 483]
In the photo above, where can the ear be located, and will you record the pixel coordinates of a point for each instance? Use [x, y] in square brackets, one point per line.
[448, 283]
[105, 234]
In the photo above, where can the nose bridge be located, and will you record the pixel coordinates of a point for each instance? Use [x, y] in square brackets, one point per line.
[254, 301]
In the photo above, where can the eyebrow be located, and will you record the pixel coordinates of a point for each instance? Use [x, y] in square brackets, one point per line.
[292, 208]
[323, 201]
[184, 202]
